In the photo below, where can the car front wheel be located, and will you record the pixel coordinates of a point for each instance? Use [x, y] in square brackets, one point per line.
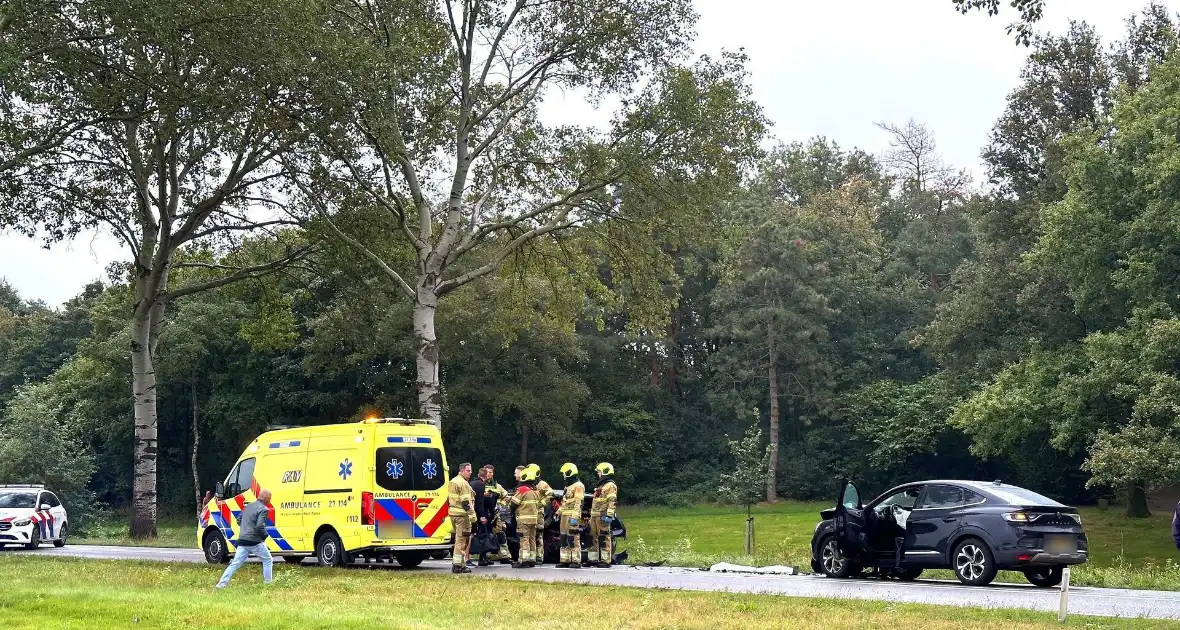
[973, 562]
[61, 536]
[1044, 577]
[832, 562]
[34, 539]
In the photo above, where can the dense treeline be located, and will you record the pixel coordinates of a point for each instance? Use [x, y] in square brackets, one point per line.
[881, 317]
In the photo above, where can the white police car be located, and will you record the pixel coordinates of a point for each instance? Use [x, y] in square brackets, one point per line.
[31, 515]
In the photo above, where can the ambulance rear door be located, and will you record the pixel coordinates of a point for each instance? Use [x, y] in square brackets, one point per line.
[411, 504]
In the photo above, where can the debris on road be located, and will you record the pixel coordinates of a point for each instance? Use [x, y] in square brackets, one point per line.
[777, 569]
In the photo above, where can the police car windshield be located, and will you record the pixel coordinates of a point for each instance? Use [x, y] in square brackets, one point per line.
[17, 499]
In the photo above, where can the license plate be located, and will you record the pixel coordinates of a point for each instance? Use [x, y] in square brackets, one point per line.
[1061, 544]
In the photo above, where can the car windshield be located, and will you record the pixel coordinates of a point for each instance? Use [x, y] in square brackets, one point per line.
[906, 499]
[17, 499]
[1020, 496]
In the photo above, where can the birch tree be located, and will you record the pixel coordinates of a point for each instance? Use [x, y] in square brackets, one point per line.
[161, 123]
[442, 135]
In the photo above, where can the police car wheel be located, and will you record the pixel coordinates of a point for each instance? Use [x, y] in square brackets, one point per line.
[329, 551]
[34, 539]
[61, 536]
[215, 547]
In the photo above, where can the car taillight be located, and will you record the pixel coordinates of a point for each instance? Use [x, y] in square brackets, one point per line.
[368, 513]
[1016, 517]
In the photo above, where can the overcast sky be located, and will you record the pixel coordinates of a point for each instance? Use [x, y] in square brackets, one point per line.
[830, 68]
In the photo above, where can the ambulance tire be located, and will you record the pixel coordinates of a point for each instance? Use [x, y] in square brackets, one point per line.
[409, 559]
[329, 551]
[215, 548]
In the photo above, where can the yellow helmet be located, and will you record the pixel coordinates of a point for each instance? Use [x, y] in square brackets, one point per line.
[535, 468]
[528, 474]
[605, 469]
[568, 470]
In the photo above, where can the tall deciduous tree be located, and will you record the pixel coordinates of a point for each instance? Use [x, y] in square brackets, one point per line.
[446, 139]
[160, 122]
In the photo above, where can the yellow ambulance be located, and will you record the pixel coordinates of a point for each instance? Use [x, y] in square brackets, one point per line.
[373, 488]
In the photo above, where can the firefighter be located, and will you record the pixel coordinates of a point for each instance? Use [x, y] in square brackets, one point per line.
[602, 516]
[570, 515]
[526, 502]
[461, 509]
[546, 495]
[496, 495]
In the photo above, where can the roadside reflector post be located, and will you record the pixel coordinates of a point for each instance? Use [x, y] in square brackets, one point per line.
[1063, 610]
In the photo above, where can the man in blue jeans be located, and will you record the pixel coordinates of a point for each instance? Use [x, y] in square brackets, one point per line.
[252, 540]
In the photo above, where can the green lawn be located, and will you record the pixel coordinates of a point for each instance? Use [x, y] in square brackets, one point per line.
[42, 593]
[1124, 552]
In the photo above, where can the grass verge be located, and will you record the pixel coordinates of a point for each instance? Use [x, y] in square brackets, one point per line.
[42, 593]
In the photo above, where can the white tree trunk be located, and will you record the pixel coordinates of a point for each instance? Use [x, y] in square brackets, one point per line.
[426, 353]
[143, 389]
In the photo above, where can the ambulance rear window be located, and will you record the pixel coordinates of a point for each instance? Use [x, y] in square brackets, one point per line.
[402, 468]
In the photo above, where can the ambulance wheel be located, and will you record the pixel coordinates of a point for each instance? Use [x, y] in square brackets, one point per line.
[34, 539]
[329, 551]
[61, 536]
[215, 547]
[409, 559]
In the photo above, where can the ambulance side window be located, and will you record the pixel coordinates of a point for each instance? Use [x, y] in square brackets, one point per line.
[394, 469]
[428, 469]
[246, 472]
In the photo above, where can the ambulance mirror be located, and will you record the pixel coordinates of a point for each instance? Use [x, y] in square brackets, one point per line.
[219, 490]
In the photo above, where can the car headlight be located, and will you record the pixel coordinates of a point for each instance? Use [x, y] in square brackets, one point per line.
[22, 522]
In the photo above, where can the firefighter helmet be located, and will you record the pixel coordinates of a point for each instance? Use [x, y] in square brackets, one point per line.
[569, 470]
[605, 469]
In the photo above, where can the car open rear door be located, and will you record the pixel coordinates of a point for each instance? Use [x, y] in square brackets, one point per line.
[850, 521]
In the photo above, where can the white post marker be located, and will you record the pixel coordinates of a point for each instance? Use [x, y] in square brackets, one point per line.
[1064, 609]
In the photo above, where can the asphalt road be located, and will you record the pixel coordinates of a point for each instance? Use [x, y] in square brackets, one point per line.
[1082, 600]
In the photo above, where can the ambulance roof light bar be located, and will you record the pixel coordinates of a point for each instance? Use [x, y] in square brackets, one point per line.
[395, 421]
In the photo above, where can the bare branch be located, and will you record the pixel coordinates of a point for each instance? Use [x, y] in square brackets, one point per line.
[242, 273]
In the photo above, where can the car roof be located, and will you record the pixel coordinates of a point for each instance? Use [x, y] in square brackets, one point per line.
[991, 488]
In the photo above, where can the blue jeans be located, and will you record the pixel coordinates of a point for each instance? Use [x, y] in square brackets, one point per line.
[243, 553]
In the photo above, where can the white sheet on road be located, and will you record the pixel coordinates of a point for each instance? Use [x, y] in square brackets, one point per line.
[777, 569]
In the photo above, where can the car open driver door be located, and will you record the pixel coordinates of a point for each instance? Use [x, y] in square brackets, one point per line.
[850, 521]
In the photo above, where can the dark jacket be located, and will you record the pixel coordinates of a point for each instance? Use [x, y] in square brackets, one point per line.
[253, 524]
[1176, 526]
[478, 488]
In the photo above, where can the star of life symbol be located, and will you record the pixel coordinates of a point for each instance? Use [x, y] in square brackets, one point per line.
[429, 469]
[345, 469]
[393, 468]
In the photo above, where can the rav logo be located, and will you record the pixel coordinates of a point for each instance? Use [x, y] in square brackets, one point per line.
[292, 476]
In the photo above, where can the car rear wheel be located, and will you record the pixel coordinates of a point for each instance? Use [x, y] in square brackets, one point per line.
[215, 548]
[61, 536]
[831, 562]
[973, 562]
[409, 559]
[329, 551]
[1044, 577]
[34, 539]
